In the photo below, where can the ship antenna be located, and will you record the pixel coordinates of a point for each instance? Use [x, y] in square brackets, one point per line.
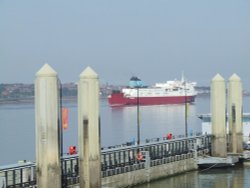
[182, 77]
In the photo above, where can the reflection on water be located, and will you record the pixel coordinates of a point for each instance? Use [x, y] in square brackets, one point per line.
[213, 178]
[155, 121]
[118, 125]
[17, 133]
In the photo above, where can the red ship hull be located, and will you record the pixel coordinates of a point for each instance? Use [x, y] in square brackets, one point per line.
[118, 99]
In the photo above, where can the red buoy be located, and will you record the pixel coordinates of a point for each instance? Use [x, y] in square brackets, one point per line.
[139, 156]
[72, 150]
[169, 136]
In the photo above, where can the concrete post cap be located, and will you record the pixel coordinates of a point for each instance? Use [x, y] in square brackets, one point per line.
[46, 71]
[218, 78]
[89, 73]
[235, 77]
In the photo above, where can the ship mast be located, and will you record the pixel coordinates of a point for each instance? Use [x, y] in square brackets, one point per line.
[138, 117]
[138, 85]
[182, 78]
[185, 90]
[186, 125]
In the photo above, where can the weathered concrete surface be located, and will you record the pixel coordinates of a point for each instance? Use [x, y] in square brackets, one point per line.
[235, 114]
[186, 163]
[47, 128]
[89, 130]
[218, 110]
[146, 175]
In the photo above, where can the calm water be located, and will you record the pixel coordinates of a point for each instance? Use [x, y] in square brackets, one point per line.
[118, 125]
[237, 177]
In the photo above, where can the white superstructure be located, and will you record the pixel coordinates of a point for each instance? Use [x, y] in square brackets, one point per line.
[169, 88]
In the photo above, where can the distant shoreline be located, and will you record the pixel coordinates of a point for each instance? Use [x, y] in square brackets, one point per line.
[72, 99]
[16, 101]
[32, 100]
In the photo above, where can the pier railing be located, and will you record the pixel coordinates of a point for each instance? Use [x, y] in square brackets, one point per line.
[113, 161]
[18, 175]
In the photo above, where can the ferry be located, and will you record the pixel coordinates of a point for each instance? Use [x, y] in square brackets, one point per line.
[169, 92]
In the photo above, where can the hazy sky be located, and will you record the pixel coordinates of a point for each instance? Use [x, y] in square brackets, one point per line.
[153, 39]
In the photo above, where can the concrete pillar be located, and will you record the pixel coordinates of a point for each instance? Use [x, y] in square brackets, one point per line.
[235, 114]
[89, 130]
[48, 169]
[2, 180]
[218, 108]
